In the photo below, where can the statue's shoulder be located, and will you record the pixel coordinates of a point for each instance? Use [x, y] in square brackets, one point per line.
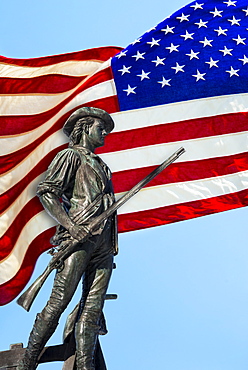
[69, 154]
[65, 158]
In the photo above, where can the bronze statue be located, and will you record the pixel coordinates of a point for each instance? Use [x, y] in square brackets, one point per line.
[86, 237]
[83, 182]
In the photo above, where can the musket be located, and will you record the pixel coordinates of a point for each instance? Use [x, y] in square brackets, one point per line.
[27, 298]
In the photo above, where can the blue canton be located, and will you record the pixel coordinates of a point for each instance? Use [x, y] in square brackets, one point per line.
[200, 51]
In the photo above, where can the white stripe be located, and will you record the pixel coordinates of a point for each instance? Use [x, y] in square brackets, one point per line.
[15, 105]
[181, 111]
[69, 68]
[19, 172]
[10, 266]
[148, 198]
[139, 118]
[196, 149]
[9, 215]
[200, 149]
[169, 194]
[35, 104]
[16, 142]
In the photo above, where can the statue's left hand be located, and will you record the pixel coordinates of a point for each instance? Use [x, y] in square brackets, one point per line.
[79, 232]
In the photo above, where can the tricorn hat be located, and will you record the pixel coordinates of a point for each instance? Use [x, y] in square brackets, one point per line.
[86, 112]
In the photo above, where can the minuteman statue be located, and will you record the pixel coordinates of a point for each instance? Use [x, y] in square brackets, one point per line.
[77, 187]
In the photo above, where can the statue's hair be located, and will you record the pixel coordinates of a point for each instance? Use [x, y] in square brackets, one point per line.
[77, 131]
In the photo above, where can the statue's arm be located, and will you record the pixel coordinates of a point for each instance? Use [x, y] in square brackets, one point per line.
[55, 209]
[59, 178]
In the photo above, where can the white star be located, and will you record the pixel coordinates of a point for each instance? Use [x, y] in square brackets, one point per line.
[183, 18]
[121, 54]
[165, 82]
[178, 68]
[246, 11]
[233, 72]
[159, 61]
[212, 63]
[226, 51]
[136, 41]
[199, 76]
[187, 36]
[144, 75]
[197, 6]
[216, 12]
[234, 21]
[168, 29]
[124, 70]
[193, 54]
[138, 56]
[206, 42]
[239, 40]
[230, 2]
[153, 42]
[201, 24]
[244, 60]
[130, 90]
[172, 48]
[221, 31]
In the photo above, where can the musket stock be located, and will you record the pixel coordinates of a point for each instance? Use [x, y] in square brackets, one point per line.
[27, 298]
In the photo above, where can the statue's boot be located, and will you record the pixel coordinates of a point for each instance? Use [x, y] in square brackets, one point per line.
[41, 332]
[86, 338]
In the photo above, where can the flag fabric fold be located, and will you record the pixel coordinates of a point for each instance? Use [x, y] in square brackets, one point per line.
[37, 96]
[182, 83]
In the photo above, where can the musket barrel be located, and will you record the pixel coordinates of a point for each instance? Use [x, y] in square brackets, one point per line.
[27, 298]
[97, 220]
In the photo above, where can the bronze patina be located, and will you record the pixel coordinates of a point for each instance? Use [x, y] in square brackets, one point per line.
[85, 240]
[83, 181]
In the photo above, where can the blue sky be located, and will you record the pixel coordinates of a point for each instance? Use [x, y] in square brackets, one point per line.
[183, 288]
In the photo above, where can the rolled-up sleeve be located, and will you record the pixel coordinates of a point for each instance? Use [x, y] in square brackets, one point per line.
[60, 175]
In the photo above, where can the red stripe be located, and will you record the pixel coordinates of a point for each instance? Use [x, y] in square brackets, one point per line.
[49, 84]
[101, 54]
[180, 212]
[7, 198]
[127, 222]
[15, 125]
[9, 239]
[125, 180]
[13, 287]
[9, 161]
[99, 77]
[176, 131]
[184, 171]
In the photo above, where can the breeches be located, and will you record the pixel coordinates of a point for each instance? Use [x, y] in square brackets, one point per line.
[93, 260]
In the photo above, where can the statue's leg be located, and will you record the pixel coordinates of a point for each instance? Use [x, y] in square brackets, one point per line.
[65, 284]
[96, 280]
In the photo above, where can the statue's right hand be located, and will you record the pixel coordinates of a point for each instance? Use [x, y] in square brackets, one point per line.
[79, 232]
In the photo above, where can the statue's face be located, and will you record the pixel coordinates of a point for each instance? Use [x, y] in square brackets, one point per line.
[97, 133]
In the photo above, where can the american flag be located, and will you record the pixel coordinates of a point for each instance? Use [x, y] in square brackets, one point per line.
[182, 83]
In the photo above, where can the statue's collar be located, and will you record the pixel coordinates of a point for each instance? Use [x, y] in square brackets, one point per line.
[85, 151]
[97, 159]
